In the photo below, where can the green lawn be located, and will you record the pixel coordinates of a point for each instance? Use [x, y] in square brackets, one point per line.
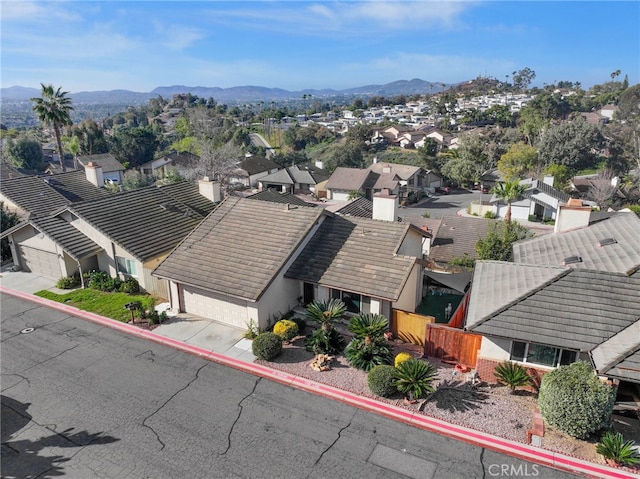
[110, 305]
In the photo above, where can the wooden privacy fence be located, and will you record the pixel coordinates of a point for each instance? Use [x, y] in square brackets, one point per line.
[410, 327]
[452, 344]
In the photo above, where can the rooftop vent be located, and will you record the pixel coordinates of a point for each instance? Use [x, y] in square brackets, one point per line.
[572, 260]
[607, 241]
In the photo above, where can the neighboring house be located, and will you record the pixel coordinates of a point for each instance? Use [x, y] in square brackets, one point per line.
[30, 196]
[277, 197]
[252, 169]
[125, 234]
[8, 172]
[344, 181]
[163, 165]
[359, 206]
[456, 237]
[594, 187]
[112, 169]
[610, 244]
[412, 178]
[292, 254]
[540, 199]
[295, 179]
[549, 316]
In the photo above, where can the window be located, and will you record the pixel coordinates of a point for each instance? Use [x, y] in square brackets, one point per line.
[541, 354]
[354, 302]
[126, 266]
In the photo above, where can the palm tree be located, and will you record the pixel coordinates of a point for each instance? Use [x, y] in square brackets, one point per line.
[54, 109]
[509, 191]
[326, 312]
[414, 378]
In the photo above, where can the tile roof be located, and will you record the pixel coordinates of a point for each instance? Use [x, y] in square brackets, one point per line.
[277, 197]
[189, 194]
[240, 247]
[257, 164]
[8, 171]
[359, 206]
[387, 181]
[347, 179]
[403, 172]
[72, 240]
[41, 195]
[458, 235]
[300, 174]
[619, 356]
[620, 257]
[536, 186]
[107, 161]
[570, 308]
[357, 255]
[146, 222]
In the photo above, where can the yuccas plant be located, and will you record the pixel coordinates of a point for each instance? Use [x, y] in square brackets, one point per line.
[613, 447]
[414, 378]
[512, 374]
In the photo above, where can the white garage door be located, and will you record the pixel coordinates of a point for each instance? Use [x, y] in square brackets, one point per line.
[40, 262]
[209, 305]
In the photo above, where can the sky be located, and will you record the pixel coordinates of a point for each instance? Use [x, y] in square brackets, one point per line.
[295, 45]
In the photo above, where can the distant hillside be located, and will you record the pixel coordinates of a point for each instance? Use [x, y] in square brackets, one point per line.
[232, 94]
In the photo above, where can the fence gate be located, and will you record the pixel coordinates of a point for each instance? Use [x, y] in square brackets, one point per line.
[410, 327]
[452, 344]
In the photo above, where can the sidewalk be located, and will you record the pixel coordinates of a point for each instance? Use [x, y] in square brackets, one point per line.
[224, 345]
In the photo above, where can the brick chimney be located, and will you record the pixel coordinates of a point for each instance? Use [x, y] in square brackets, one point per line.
[385, 206]
[210, 189]
[93, 171]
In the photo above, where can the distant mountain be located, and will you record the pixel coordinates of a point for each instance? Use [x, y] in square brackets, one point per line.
[233, 94]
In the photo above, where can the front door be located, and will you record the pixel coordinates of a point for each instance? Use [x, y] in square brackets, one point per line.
[309, 293]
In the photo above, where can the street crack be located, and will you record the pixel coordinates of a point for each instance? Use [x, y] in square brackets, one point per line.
[22, 378]
[144, 421]
[484, 472]
[336, 440]
[255, 385]
[52, 357]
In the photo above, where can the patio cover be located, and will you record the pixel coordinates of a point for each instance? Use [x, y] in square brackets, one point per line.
[457, 281]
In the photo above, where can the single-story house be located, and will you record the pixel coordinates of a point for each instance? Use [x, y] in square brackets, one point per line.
[125, 234]
[540, 199]
[301, 178]
[162, 166]
[291, 255]
[549, 316]
[112, 169]
[251, 169]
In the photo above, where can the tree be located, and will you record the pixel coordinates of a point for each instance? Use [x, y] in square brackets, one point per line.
[54, 108]
[497, 244]
[347, 155]
[7, 220]
[523, 78]
[214, 162]
[133, 180]
[519, 161]
[509, 191]
[602, 190]
[561, 175]
[90, 136]
[133, 146]
[26, 153]
[572, 143]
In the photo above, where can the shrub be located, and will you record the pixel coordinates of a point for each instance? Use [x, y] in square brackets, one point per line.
[574, 400]
[68, 282]
[302, 324]
[363, 354]
[414, 378]
[401, 358]
[286, 329]
[129, 286]
[153, 317]
[252, 330]
[490, 215]
[380, 380]
[325, 342]
[512, 374]
[267, 346]
[97, 280]
[613, 446]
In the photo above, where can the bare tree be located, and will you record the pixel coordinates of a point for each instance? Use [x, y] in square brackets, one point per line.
[603, 190]
[215, 162]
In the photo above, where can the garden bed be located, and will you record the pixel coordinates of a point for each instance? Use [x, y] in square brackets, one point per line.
[483, 407]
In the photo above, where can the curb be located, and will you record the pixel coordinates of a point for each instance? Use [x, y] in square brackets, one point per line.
[470, 436]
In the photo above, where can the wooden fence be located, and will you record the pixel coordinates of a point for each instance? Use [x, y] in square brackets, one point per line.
[410, 327]
[452, 344]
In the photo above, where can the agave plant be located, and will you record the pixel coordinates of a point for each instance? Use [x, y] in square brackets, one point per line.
[512, 374]
[414, 378]
[369, 327]
[613, 447]
[325, 342]
[326, 312]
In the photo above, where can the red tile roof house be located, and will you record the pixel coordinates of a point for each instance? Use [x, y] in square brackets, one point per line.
[571, 295]
[255, 260]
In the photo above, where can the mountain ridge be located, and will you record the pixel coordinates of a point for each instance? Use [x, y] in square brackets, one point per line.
[231, 94]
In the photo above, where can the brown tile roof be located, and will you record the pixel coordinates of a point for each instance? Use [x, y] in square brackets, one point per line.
[357, 255]
[458, 235]
[107, 161]
[347, 179]
[277, 197]
[240, 247]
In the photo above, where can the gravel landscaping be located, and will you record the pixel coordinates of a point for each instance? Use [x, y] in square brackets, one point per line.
[483, 407]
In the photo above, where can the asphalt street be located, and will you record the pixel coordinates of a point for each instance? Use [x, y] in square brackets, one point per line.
[83, 401]
[440, 205]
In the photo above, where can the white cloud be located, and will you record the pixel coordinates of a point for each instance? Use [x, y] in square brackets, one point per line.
[36, 12]
[177, 37]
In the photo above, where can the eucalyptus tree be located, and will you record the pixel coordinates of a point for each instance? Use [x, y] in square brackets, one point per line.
[54, 108]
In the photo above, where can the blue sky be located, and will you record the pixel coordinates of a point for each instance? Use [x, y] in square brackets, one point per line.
[294, 45]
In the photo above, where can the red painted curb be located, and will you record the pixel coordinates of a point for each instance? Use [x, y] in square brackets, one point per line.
[505, 446]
